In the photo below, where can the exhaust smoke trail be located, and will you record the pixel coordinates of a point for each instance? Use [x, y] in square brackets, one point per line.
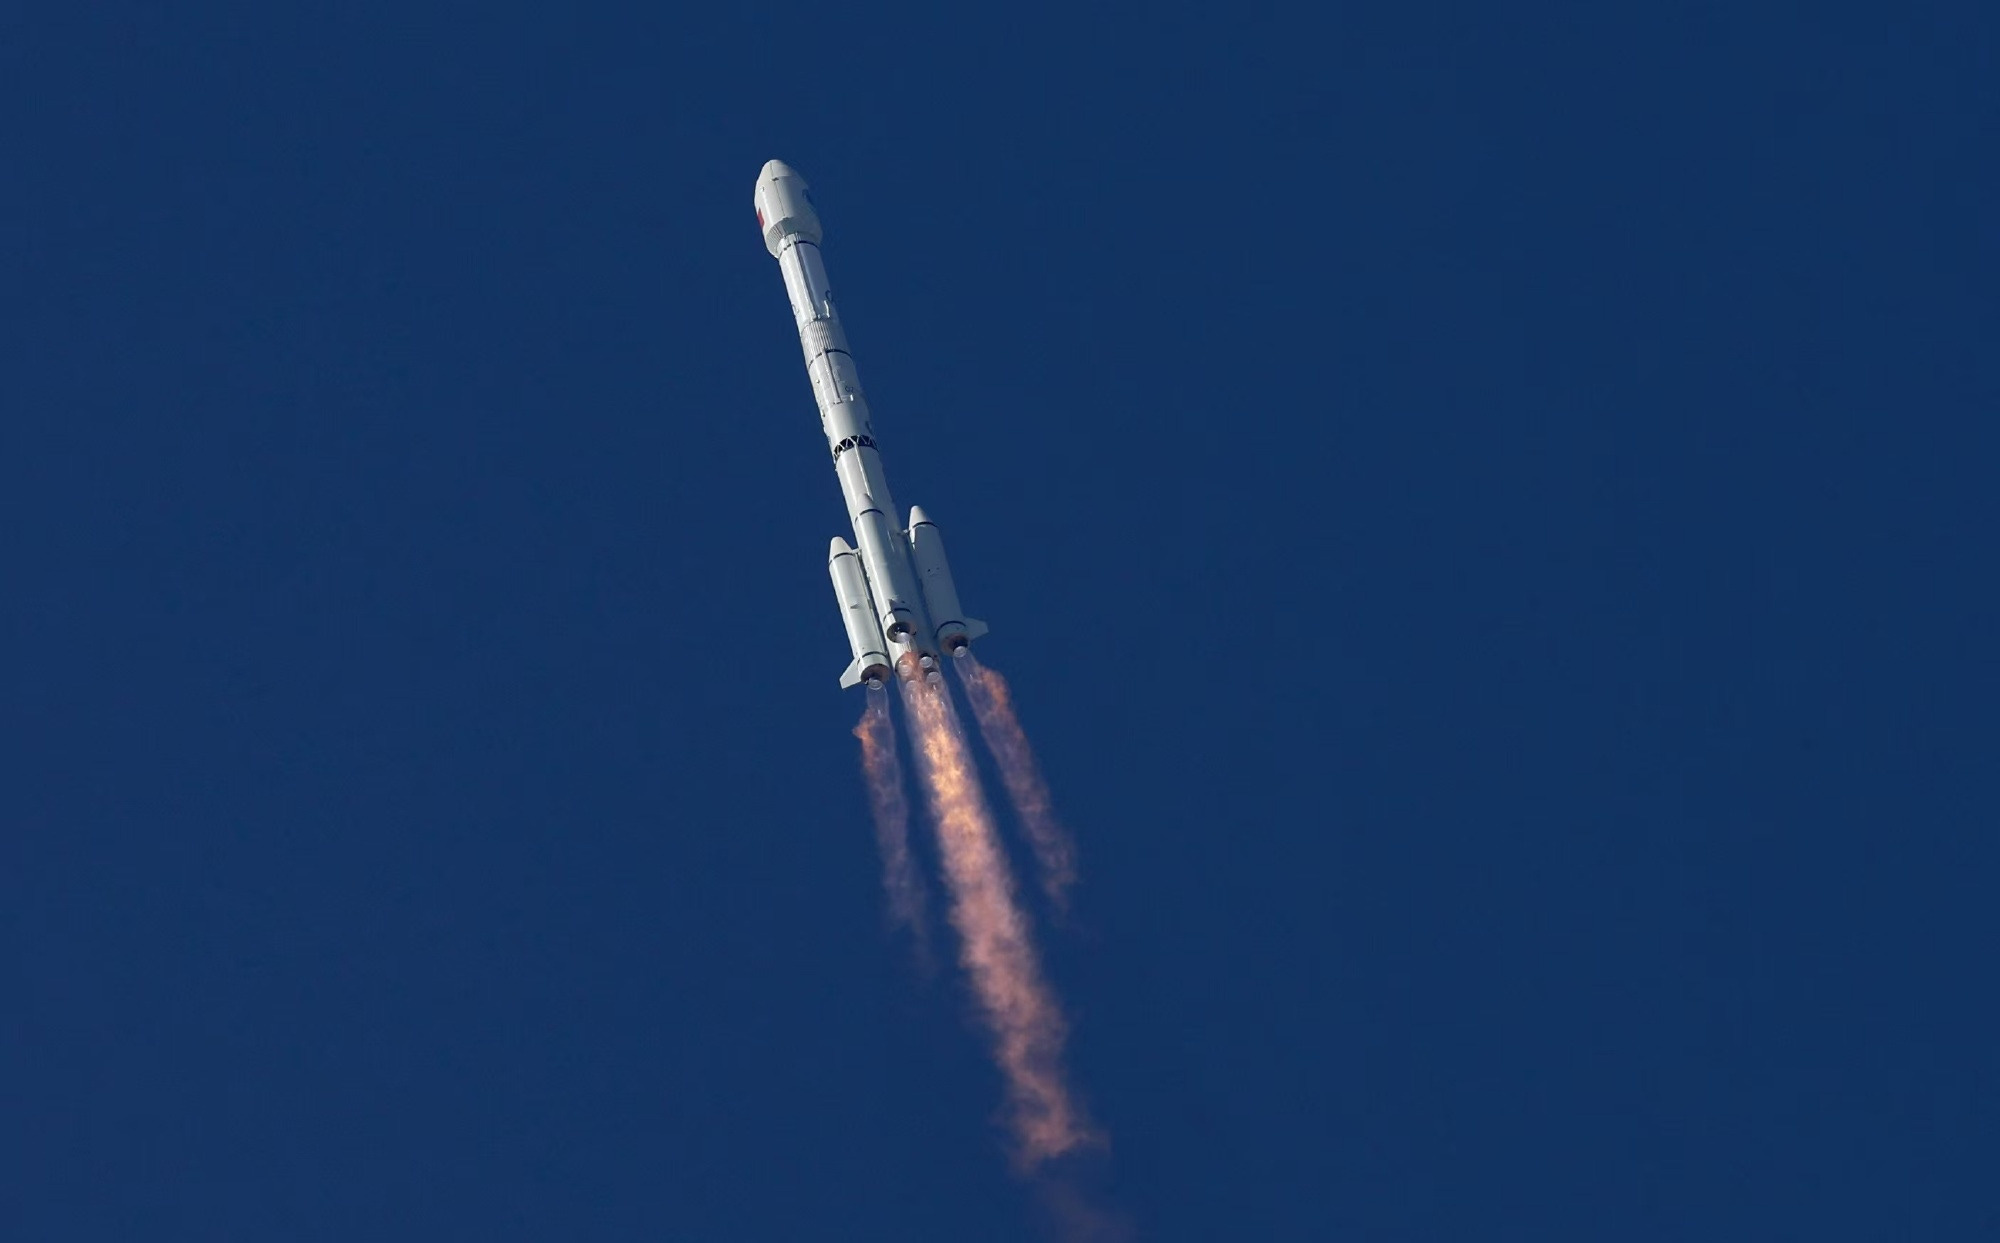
[1027, 1025]
[901, 882]
[1055, 851]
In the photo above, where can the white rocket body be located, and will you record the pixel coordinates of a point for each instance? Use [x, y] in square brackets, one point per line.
[894, 587]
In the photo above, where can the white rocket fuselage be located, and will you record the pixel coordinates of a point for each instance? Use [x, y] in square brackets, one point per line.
[905, 586]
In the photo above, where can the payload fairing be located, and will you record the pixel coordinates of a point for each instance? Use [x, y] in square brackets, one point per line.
[894, 587]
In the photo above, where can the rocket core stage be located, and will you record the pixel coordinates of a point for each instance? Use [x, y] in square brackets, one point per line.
[894, 586]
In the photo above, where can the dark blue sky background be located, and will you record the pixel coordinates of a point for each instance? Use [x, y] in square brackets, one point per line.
[1487, 510]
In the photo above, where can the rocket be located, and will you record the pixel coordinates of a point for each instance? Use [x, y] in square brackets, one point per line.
[893, 584]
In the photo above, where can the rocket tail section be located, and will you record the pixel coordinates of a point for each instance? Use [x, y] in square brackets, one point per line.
[858, 671]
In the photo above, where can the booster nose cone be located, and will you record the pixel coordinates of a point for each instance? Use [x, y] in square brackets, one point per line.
[784, 207]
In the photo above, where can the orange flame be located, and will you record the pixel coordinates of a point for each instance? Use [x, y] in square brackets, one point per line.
[884, 773]
[1027, 1025]
[993, 705]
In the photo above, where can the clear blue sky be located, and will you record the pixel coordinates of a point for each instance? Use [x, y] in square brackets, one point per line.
[1486, 510]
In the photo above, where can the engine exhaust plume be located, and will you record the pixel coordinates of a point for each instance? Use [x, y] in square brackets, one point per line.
[993, 705]
[902, 884]
[1016, 1004]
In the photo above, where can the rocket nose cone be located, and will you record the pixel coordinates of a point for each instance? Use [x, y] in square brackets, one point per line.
[918, 517]
[839, 549]
[784, 207]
